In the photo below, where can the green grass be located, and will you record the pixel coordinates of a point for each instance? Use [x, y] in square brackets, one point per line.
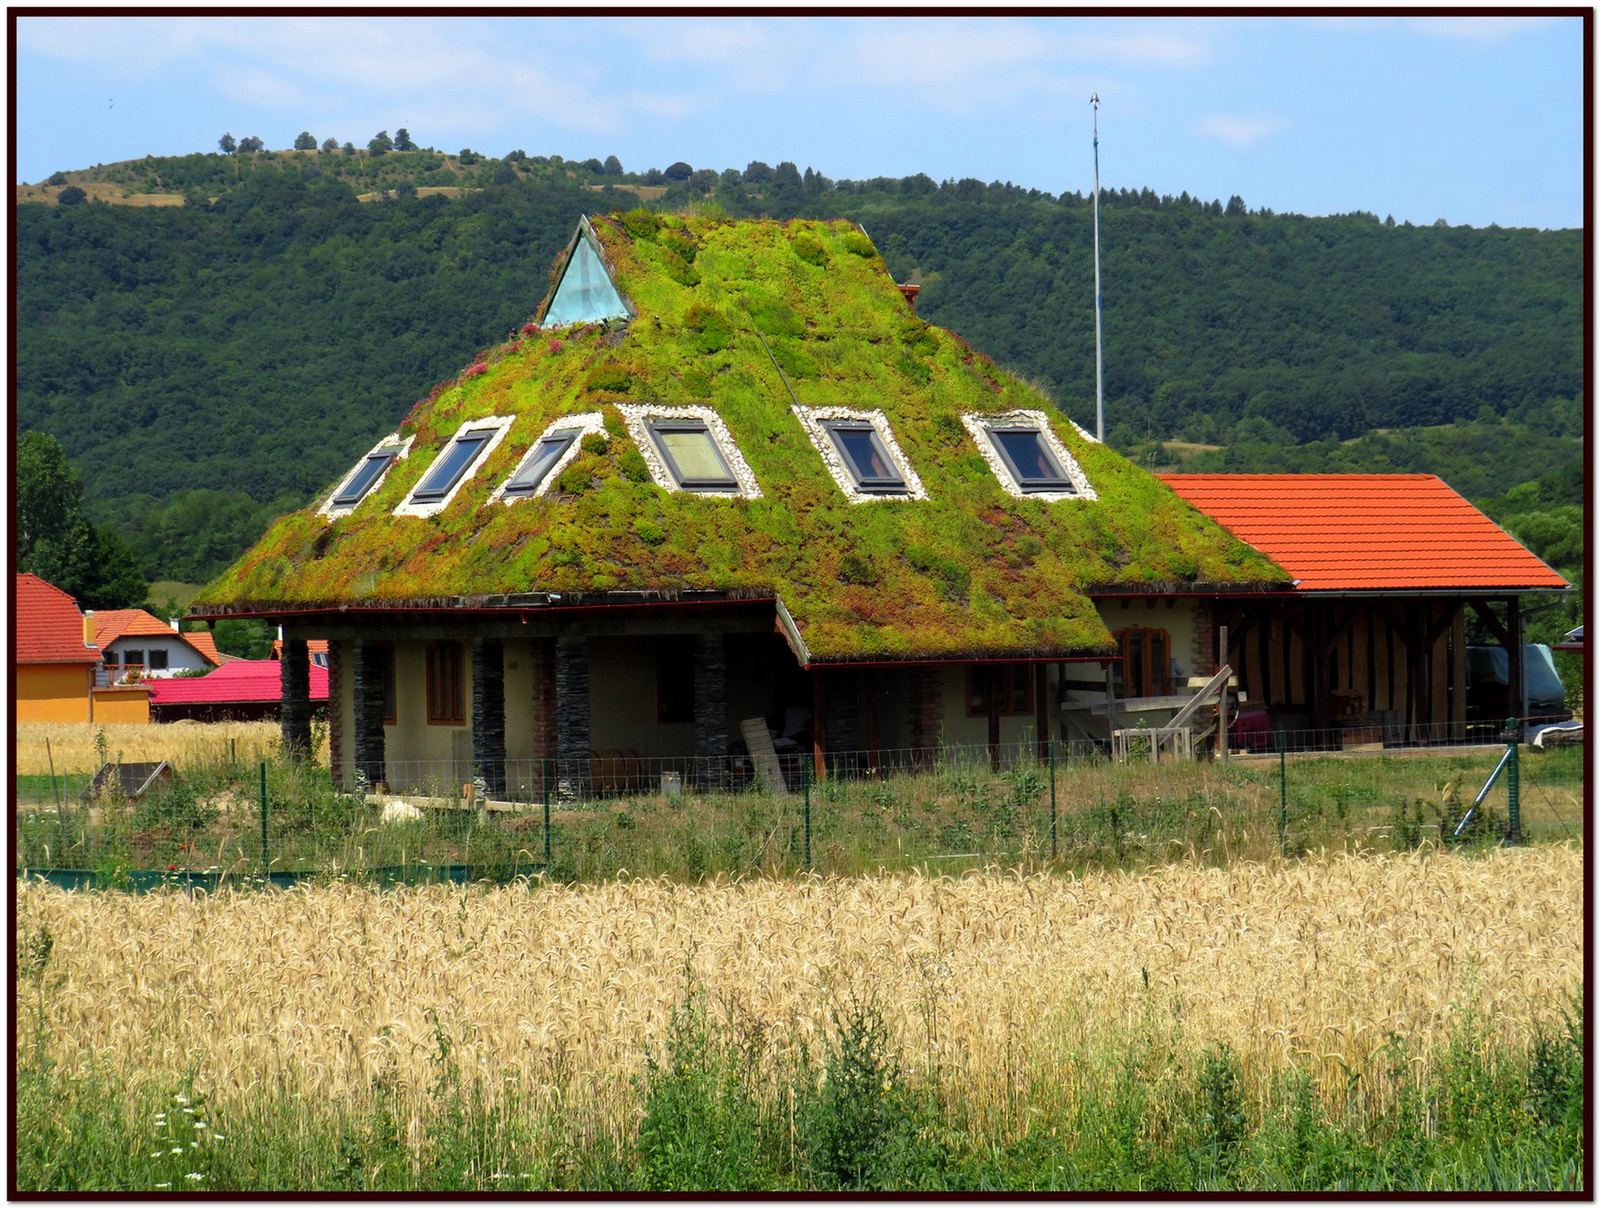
[717, 1112]
[955, 815]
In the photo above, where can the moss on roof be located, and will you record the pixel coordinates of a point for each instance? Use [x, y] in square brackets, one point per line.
[970, 571]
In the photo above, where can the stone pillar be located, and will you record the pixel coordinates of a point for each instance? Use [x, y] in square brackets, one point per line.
[572, 715]
[336, 712]
[372, 664]
[295, 719]
[542, 651]
[927, 714]
[489, 715]
[711, 709]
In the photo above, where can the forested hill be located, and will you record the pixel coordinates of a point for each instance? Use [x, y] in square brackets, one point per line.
[252, 341]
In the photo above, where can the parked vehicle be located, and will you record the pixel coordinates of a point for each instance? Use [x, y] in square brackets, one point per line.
[1489, 696]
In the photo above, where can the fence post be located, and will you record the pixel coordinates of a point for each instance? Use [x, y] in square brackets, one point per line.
[1283, 794]
[545, 785]
[805, 788]
[1513, 788]
[1052, 799]
[265, 863]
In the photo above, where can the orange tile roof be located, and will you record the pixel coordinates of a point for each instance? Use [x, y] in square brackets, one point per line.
[313, 646]
[113, 623]
[206, 644]
[1367, 532]
[49, 627]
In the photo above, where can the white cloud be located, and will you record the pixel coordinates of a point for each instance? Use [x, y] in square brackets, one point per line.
[1477, 29]
[1237, 131]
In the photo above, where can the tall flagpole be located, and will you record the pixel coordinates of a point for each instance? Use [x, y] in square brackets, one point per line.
[1099, 363]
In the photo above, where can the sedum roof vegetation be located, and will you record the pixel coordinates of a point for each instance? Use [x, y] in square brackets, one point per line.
[719, 307]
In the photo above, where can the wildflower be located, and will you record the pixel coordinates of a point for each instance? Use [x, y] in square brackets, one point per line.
[201, 1124]
[163, 1184]
[555, 345]
[172, 868]
[180, 1099]
[176, 1149]
[194, 1176]
[529, 329]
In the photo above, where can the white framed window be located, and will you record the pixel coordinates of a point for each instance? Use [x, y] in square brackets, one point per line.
[861, 453]
[364, 478]
[690, 449]
[552, 453]
[1028, 457]
[457, 462]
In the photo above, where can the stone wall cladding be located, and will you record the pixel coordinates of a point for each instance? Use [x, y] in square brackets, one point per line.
[1207, 659]
[812, 420]
[927, 708]
[978, 427]
[711, 707]
[572, 713]
[336, 657]
[636, 415]
[367, 713]
[295, 723]
[489, 715]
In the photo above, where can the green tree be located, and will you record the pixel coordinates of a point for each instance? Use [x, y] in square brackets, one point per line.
[305, 141]
[330, 143]
[381, 143]
[612, 166]
[251, 144]
[402, 140]
[71, 196]
[56, 542]
[227, 144]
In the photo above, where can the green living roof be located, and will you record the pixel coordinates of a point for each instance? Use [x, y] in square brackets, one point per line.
[749, 319]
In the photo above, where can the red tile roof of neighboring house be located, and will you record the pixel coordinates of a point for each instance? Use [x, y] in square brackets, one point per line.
[49, 625]
[233, 683]
[206, 643]
[1367, 532]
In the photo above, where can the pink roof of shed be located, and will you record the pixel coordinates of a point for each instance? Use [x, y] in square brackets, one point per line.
[238, 682]
[1367, 532]
[49, 626]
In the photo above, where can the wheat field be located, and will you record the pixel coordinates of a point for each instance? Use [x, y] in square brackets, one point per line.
[72, 747]
[994, 981]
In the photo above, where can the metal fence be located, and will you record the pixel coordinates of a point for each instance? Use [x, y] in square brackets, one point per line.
[942, 809]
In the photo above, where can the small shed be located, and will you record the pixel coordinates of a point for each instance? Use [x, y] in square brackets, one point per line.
[132, 780]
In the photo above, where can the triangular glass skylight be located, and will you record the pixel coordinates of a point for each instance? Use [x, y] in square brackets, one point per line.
[586, 294]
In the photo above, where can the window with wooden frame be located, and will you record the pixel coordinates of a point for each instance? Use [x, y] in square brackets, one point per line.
[445, 679]
[1009, 687]
[1146, 661]
[386, 662]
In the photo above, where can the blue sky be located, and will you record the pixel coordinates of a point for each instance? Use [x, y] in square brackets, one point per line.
[1472, 119]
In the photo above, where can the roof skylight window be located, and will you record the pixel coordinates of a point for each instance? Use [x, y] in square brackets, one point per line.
[550, 455]
[690, 449]
[692, 455]
[368, 473]
[861, 453]
[1027, 457]
[586, 293]
[541, 460]
[454, 465]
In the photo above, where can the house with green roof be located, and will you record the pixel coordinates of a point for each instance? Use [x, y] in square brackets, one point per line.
[727, 474]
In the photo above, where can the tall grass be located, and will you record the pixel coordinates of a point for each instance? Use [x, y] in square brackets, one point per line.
[998, 993]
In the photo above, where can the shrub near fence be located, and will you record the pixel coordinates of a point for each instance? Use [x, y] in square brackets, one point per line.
[944, 809]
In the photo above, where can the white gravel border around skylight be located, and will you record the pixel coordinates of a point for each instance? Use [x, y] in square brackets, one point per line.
[813, 419]
[392, 440]
[637, 415]
[589, 423]
[501, 425]
[978, 426]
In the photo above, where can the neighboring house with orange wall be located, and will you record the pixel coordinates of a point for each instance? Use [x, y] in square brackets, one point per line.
[57, 661]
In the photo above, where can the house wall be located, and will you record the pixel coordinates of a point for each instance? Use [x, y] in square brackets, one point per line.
[53, 692]
[623, 692]
[419, 752]
[122, 706]
[1178, 615]
[180, 655]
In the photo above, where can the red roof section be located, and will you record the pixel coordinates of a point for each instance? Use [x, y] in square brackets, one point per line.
[243, 680]
[49, 625]
[1366, 532]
